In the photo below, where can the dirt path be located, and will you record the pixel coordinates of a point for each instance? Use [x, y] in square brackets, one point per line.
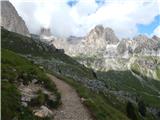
[72, 108]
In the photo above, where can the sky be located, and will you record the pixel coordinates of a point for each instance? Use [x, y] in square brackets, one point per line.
[127, 18]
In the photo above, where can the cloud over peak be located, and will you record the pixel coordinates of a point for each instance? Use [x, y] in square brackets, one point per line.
[77, 17]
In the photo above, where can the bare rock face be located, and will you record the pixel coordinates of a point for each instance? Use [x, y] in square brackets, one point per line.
[10, 19]
[122, 47]
[156, 38]
[146, 45]
[110, 36]
[95, 33]
[101, 36]
[95, 38]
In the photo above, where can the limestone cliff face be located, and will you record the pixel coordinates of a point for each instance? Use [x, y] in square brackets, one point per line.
[99, 37]
[10, 19]
[110, 36]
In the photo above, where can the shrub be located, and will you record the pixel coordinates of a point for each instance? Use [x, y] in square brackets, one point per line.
[39, 100]
[131, 111]
[10, 102]
[142, 108]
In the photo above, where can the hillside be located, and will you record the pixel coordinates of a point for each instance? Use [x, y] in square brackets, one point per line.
[108, 95]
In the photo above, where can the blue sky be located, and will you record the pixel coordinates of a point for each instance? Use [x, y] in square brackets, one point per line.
[72, 2]
[127, 18]
[149, 28]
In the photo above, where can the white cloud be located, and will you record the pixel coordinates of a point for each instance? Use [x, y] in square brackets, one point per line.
[121, 15]
[157, 31]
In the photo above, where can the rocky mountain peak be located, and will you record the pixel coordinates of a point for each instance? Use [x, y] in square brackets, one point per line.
[10, 19]
[156, 38]
[99, 28]
[141, 38]
[110, 36]
[96, 32]
[108, 29]
[45, 31]
[102, 35]
[95, 38]
[46, 35]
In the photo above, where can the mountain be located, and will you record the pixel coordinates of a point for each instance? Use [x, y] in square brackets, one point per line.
[11, 20]
[94, 43]
[101, 50]
[102, 36]
[104, 92]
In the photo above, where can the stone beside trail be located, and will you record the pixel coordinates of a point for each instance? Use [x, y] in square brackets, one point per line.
[71, 108]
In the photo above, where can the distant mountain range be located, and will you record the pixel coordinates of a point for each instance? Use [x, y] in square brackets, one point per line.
[104, 40]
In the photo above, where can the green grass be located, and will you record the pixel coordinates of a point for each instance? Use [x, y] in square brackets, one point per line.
[106, 107]
[158, 71]
[19, 43]
[27, 46]
[10, 100]
[11, 105]
[14, 68]
[124, 80]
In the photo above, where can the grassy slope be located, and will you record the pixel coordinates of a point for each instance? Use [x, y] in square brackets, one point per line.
[25, 45]
[13, 66]
[125, 81]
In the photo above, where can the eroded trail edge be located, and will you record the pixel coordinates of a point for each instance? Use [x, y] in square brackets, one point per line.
[71, 108]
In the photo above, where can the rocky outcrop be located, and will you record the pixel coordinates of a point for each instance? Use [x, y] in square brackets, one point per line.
[156, 38]
[43, 112]
[10, 19]
[146, 46]
[45, 32]
[122, 47]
